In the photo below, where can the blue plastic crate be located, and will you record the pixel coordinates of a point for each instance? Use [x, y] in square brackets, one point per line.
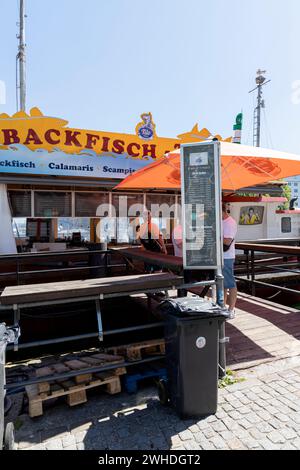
[131, 380]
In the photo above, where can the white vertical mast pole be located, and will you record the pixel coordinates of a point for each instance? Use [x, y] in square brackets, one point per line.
[22, 57]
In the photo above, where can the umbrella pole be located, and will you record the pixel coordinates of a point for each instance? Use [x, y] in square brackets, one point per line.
[222, 337]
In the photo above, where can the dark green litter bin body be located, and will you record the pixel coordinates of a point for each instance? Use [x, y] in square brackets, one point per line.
[192, 356]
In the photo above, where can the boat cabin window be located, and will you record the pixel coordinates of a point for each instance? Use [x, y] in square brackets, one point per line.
[19, 227]
[20, 203]
[163, 209]
[50, 214]
[52, 204]
[128, 208]
[286, 225]
[69, 229]
[86, 204]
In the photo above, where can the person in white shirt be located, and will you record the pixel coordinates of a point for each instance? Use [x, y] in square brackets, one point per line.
[106, 228]
[229, 235]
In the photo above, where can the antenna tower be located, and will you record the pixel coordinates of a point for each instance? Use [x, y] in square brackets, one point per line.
[260, 82]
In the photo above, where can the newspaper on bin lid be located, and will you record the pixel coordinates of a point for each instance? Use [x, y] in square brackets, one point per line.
[191, 306]
[8, 334]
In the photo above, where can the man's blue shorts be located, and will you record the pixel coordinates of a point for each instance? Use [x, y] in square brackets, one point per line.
[228, 273]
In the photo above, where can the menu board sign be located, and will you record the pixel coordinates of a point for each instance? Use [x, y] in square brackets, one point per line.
[201, 205]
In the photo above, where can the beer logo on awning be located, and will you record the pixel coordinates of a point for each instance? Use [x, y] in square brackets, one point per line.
[146, 129]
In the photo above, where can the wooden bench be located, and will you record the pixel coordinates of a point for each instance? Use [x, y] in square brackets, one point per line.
[34, 295]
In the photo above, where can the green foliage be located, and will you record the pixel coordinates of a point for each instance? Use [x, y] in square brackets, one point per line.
[287, 193]
[247, 194]
[230, 379]
[253, 194]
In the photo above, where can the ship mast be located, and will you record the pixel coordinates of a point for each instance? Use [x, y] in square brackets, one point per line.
[21, 58]
[260, 82]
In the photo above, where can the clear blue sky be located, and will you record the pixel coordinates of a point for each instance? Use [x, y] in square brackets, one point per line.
[101, 63]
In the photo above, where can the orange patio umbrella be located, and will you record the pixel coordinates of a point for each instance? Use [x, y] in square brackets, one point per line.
[242, 166]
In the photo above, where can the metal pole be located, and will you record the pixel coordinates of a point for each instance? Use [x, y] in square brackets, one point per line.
[252, 272]
[247, 264]
[258, 115]
[260, 82]
[222, 335]
[219, 273]
[22, 57]
[220, 287]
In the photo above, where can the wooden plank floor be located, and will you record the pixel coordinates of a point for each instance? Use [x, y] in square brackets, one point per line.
[261, 332]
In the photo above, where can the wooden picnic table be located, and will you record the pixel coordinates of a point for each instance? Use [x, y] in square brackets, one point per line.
[53, 291]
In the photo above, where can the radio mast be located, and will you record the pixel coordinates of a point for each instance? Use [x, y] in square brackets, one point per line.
[260, 82]
[21, 59]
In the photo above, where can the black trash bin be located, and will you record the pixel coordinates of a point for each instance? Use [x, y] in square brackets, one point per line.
[192, 355]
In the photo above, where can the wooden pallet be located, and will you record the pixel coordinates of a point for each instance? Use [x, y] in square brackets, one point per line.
[77, 363]
[75, 387]
[136, 351]
[75, 393]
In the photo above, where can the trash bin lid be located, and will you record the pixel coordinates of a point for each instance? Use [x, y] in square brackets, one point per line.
[187, 306]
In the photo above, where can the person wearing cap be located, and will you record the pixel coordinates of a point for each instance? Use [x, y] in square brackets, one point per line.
[229, 235]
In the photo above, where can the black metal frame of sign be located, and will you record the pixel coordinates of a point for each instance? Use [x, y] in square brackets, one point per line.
[201, 206]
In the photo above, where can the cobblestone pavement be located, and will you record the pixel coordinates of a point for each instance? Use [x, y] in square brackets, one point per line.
[262, 412]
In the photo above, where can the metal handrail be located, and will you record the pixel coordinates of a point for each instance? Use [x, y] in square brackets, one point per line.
[276, 241]
[53, 253]
[252, 248]
[88, 370]
[34, 257]
[74, 268]
[265, 248]
[45, 342]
